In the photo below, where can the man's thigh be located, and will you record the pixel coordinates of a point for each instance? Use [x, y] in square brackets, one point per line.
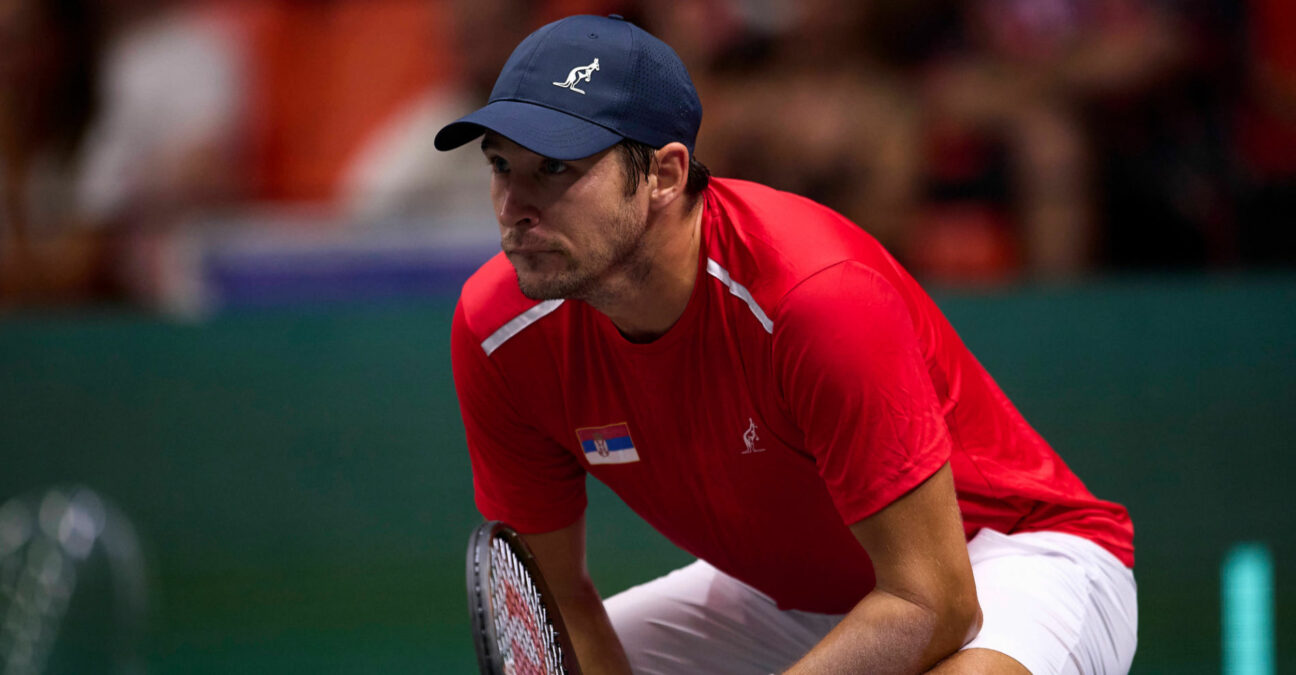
[1056, 604]
[700, 620]
[1052, 605]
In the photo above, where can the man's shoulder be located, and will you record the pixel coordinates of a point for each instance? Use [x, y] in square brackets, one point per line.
[491, 299]
[772, 241]
[746, 200]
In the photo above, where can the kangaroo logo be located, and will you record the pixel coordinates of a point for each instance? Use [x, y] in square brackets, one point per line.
[577, 75]
[750, 437]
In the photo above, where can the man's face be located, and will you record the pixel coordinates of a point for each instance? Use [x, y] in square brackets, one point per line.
[566, 226]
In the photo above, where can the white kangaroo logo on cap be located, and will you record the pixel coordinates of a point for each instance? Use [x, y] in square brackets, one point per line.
[577, 75]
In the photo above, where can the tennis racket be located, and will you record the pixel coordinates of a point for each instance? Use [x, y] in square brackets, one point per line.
[517, 628]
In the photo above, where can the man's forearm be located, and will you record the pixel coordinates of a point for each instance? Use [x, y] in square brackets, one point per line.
[561, 557]
[887, 634]
[596, 643]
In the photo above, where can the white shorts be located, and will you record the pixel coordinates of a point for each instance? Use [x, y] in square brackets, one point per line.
[1056, 603]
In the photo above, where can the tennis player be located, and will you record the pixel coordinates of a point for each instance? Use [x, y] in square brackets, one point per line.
[761, 382]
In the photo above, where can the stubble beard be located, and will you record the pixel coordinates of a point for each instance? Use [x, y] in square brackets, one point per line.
[588, 279]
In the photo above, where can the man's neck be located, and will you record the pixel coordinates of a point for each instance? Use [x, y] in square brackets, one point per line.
[653, 292]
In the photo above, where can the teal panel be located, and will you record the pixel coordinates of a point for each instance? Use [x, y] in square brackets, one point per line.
[302, 488]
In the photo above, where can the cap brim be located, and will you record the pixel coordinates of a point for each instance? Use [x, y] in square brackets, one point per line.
[541, 130]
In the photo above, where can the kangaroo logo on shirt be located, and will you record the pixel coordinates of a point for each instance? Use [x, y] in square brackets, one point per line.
[577, 75]
[750, 437]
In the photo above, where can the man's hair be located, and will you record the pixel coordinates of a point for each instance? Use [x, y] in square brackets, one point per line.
[638, 158]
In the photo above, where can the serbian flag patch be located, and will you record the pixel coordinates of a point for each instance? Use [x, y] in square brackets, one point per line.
[610, 444]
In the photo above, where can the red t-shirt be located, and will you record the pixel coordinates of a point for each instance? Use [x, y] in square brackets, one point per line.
[809, 383]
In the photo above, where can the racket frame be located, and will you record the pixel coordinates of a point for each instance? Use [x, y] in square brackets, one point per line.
[485, 639]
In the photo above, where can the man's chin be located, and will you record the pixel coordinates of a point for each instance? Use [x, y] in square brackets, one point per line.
[537, 293]
[548, 288]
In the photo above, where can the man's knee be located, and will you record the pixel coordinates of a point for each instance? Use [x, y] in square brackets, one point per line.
[979, 662]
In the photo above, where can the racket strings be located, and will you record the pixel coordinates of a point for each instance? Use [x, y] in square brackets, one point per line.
[528, 642]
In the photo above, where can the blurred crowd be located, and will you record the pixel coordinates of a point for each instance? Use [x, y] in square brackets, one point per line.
[980, 140]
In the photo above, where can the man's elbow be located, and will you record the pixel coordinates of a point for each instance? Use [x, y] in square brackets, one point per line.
[962, 617]
[952, 618]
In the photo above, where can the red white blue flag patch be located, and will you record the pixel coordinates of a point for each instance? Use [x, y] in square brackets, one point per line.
[609, 444]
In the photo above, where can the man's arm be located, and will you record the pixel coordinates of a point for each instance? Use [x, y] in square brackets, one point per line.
[561, 557]
[924, 606]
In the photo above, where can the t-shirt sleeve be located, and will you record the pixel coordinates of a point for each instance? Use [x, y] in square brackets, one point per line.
[520, 476]
[853, 375]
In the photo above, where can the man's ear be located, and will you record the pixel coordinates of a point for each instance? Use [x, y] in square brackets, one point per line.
[670, 171]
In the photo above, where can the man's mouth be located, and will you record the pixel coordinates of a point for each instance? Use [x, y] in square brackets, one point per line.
[530, 251]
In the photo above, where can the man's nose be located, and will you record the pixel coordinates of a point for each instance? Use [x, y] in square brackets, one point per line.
[517, 206]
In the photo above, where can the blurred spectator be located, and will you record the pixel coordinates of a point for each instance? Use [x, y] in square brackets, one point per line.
[330, 98]
[169, 142]
[117, 117]
[47, 99]
[1007, 105]
[954, 131]
[169, 133]
[796, 99]
[1265, 127]
[325, 76]
[398, 173]
[1165, 170]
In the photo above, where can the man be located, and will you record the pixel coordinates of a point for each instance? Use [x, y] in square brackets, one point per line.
[759, 380]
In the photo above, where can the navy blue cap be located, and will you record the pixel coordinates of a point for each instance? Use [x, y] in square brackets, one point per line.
[579, 86]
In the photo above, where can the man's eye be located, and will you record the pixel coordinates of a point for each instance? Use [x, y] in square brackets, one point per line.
[552, 166]
[498, 165]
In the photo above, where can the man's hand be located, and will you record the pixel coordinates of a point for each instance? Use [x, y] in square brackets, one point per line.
[924, 606]
[561, 557]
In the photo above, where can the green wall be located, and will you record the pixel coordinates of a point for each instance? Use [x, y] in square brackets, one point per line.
[301, 485]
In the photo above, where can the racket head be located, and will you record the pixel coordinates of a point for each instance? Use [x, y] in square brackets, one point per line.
[487, 568]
